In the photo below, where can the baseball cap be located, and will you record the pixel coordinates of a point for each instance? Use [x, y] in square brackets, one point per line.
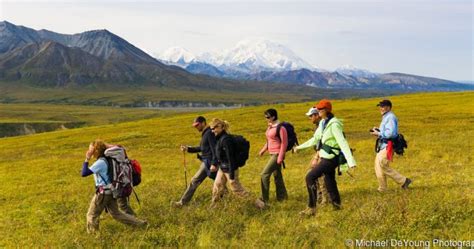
[312, 111]
[199, 120]
[324, 104]
[385, 102]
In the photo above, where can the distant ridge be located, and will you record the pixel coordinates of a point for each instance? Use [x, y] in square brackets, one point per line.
[263, 60]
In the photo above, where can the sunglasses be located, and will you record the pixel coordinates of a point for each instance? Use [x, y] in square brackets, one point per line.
[213, 128]
[268, 117]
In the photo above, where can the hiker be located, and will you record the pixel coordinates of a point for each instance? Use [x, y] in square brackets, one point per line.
[226, 168]
[330, 142]
[388, 130]
[207, 158]
[323, 196]
[122, 202]
[103, 198]
[276, 146]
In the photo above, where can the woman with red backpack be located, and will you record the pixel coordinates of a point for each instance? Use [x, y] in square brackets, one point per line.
[103, 198]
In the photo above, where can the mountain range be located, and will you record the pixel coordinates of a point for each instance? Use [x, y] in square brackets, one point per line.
[43, 58]
[264, 60]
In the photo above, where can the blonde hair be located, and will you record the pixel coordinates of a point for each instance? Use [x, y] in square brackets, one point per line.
[221, 123]
[99, 148]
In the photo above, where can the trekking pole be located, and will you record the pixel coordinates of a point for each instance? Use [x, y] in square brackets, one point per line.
[185, 171]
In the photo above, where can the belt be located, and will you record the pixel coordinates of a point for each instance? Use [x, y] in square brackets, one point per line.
[103, 190]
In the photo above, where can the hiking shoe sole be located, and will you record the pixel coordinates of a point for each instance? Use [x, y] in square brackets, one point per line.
[405, 185]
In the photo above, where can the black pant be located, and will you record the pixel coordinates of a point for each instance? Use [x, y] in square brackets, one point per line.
[326, 167]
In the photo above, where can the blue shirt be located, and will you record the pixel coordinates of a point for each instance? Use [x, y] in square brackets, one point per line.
[100, 167]
[388, 127]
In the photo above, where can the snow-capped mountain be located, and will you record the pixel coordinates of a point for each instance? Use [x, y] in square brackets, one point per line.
[248, 56]
[177, 56]
[254, 55]
[350, 70]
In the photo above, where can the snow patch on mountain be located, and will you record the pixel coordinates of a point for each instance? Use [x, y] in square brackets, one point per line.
[177, 56]
[353, 71]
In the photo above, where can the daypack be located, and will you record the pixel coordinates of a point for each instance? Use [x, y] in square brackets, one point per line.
[136, 172]
[242, 148]
[119, 170]
[290, 131]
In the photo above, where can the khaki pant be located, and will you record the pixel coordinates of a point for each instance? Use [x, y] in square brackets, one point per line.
[323, 195]
[382, 170]
[101, 201]
[124, 205]
[220, 183]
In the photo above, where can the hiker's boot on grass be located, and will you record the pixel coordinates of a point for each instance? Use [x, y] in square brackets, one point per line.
[177, 204]
[407, 182]
[308, 212]
[260, 204]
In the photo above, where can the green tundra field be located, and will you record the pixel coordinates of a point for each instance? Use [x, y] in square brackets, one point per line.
[44, 199]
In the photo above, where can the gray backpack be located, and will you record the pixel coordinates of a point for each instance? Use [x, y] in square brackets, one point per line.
[119, 170]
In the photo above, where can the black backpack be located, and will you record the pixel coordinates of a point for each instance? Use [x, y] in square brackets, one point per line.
[290, 130]
[242, 148]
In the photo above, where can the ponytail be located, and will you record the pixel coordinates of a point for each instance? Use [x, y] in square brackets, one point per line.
[222, 123]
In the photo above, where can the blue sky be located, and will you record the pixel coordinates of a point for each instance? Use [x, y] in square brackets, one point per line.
[431, 38]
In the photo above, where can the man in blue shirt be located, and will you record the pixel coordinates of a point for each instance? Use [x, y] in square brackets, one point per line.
[388, 130]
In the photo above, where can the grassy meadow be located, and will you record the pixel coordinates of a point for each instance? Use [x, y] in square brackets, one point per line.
[137, 96]
[89, 115]
[38, 118]
[44, 200]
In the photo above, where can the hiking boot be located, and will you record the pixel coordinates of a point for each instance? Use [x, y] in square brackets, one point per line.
[260, 204]
[308, 212]
[407, 182]
[144, 224]
[336, 206]
[177, 204]
[213, 205]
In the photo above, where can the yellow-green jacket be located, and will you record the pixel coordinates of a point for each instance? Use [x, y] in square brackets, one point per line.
[333, 137]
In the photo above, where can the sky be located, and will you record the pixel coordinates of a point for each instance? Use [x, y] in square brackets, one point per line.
[423, 37]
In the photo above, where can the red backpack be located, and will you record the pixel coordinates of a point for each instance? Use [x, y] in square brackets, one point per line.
[136, 172]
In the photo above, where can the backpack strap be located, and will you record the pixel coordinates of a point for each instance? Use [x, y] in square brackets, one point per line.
[278, 130]
[108, 168]
[278, 135]
[330, 150]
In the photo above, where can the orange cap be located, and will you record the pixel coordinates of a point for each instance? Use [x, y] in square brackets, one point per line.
[324, 104]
